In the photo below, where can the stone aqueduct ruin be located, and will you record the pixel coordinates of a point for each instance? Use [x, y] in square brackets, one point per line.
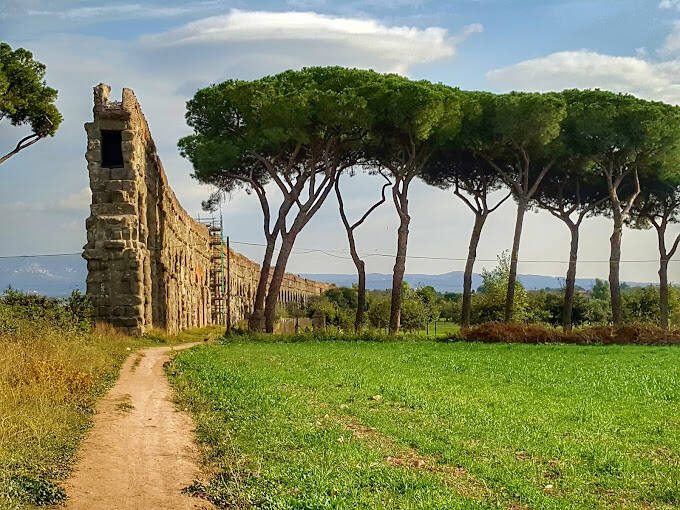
[150, 264]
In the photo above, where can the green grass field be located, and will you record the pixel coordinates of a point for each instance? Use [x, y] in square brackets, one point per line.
[435, 425]
[443, 328]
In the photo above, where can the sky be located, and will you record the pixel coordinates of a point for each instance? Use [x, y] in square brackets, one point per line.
[166, 50]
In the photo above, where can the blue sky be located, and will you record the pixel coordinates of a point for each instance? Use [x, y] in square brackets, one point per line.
[164, 51]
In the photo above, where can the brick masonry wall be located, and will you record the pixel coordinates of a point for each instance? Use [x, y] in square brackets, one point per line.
[148, 261]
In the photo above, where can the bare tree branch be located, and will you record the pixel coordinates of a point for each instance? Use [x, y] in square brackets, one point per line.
[25, 142]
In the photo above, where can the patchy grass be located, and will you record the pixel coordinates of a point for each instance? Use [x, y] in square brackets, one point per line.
[50, 379]
[435, 425]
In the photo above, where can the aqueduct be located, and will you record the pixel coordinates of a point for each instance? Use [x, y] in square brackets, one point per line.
[150, 264]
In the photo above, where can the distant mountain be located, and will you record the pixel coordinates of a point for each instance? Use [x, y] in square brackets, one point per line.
[59, 276]
[450, 282]
[50, 276]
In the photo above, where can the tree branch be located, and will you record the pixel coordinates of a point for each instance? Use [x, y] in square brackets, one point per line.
[500, 203]
[673, 249]
[634, 196]
[25, 142]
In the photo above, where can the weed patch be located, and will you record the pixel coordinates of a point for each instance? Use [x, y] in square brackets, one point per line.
[33, 491]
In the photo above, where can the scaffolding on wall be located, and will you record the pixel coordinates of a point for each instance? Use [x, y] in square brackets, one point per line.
[220, 272]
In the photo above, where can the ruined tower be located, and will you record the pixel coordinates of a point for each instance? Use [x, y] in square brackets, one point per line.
[149, 263]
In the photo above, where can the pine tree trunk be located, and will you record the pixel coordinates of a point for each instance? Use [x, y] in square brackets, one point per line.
[570, 282]
[255, 321]
[510, 296]
[361, 297]
[361, 273]
[663, 278]
[614, 269]
[469, 265]
[275, 284]
[398, 275]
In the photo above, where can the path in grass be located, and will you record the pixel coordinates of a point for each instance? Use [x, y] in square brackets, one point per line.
[140, 452]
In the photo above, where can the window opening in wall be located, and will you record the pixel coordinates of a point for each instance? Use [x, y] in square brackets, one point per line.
[112, 150]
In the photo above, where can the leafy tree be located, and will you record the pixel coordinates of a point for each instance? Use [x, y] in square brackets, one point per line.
[641, 304]
[379, 311]
[570, 195]
[625, 139]
[345, 297]
[409, 121]
[428, 296]
[488, 303]
[414, 313]
[553, 304]
[298, 130]
[472, 179]
[659, 208]
[25, 97]
[450, 306]
[358, 262]
[338, 313]
[521, 143]
[600, 290]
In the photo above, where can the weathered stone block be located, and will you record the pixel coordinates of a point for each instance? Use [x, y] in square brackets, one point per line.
[101, 197]
[113, 209]
[123, 196]
[94, 155]
[117, 173]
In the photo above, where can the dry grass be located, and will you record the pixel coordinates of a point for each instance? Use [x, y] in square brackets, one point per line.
[640, 334]
[50, 379]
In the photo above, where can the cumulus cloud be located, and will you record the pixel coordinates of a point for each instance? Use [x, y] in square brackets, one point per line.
[337, 39]
[164, 73]
[669, 4]
[588, 69]
[671, 45]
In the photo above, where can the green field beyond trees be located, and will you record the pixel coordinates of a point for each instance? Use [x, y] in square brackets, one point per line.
[435, 425]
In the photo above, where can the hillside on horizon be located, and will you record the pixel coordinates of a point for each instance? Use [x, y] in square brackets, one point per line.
[59, 276]
[453, 281]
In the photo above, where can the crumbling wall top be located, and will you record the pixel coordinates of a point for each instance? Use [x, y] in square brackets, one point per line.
[125, 108]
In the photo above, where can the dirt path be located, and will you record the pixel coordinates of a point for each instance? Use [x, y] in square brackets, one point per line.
[140, 452]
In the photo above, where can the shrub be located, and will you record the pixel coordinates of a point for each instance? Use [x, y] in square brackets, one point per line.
[73, 314]
[642, 334]
[488, 303]
[236, 335]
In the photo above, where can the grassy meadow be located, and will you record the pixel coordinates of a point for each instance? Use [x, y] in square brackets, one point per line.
[435, 425]
[443, 329]
[52, 371]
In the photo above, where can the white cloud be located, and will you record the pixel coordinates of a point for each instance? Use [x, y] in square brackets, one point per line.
[389, 48]
[671, 45]
[113, 11]
[588, 69]
[75, 201]
[163, 78]
[669, 4]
